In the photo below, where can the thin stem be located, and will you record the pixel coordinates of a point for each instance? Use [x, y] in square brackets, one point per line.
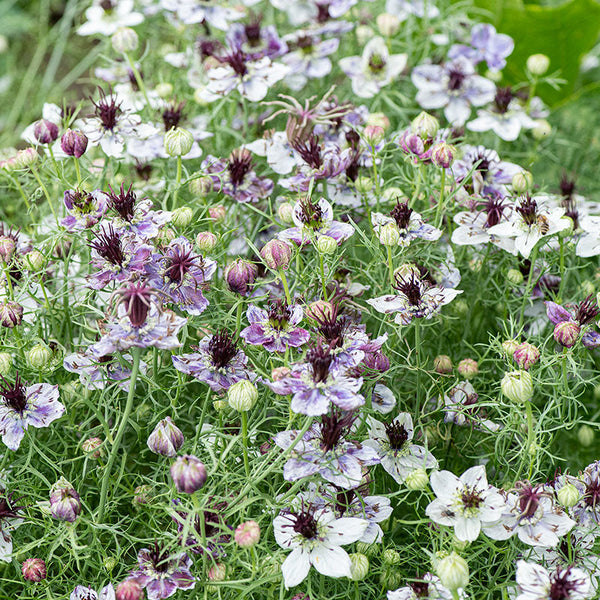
[529, 287]
[286, 289]
[135, 352]
[440, 207]
[77, 171]
[245, 442]
[390, 261]
[323, 282]
[138, 77]
[37, 177]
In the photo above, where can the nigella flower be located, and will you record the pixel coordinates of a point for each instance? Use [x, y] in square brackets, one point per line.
[179, 273]
[409, 224]
[419, 8]
[460, 407]
[415, 299]
[255, 39]
[467, 503]
[393, 444]
[135, 215]
[95, 372]
[116, 257]
[23, 406]
[537, 583]
[9, 521]
[237, 70]
[533, 516]
[105, 17]
[217, 362]
[314, 219]
[318, 383]
[236, 177]
[85, 209]
[383, 399]
[213, 12]
[162, 574]
[428, 587]
[276, 329]
[307, 58]
[587, 510]
[531, 222]
[82, 592]
[487, 45]
[274, 145]
[589, 242]
[373, 70]
[581, 315]
[323, 449]
[139, 323]
[454, 86]
[315, 537]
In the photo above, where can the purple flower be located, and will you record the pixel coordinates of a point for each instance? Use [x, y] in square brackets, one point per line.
[162, 574]
[255, 40]
[218, 362]
[82, 592]
[85, 209]
[318, 383]
[179, 273]
[323, 449]
[307, 58]
[275, 329]
[410, 225]
[487, 45]
[36, 405]
[582, 314]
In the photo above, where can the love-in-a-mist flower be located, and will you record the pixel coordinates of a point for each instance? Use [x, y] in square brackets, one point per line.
[583, 314]
[315, 537]
[589, 242]
[419, 8]
[105, 17]
[307, 58]
[256, 39]
[373, 70]
[409, 224]
[161, 574]
[393, 444]
[535, 582]
[276, 329]
[486, 45]
[461, 407]
[428, 587]
[587, 510]
[466, 503]
[10, 519]
[323, 449]
[166, 438]
[85, 209]
[22, 406]
[215, 13]
[82, 592]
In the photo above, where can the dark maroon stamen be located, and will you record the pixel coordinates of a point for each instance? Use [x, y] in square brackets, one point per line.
[279, 315]
[471, 499]
[503, 98]
[207, 47]
[222, 348]
[173, 114]
[587, 311]
[397, 434]
[456, 79]
[136, 299]
[401, 214]
[494, 207]
[123, 202]
[310, 151]
[311, 213]
[107, 109]
[567, 185]
[305, 524]
[239, 165]
[333, 428]
[252, 30]
[528, 210]
[14, 395]
[8, 508]
[236, 60]
[563, 584]
[420, 588]
[323, 13]
[331, 325]
[320, 359]
[159, 557]
[178, 264]
[591, 497]
[529, 499]
[108, 245]
[411, 287]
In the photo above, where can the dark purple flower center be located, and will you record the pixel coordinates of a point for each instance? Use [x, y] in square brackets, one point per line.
[239, 165]
[587, 311]
[323, 13]
[144, 171]
[592, 493]
[311, 213]
[208, 47]
[279, 315]
[503, 98]
[331, 325]
[8, 510]
[159, 559]
[528, 210]
[456, 78]
[310, 151]
[320, 360]
[14, 395]
[305, 524]
[483, 163]
[82, 201]
[107, 110]
[570, 205]
[410, 287]
[305, 43]
[494, 207]
[237, 61]
[107, 5]
[401, 214]
[376, 63]
[123, 202]
[136, 299]
[222, 348]
[333, 427]
[567, 186]
[471, 498]
[420, 588]
[108, 245]
[397, 434]
[529, 500]
[179, 262]
[172, 114]
[562, 585]
[252, 30]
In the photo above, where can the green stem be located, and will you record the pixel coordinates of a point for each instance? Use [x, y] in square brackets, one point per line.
[286, 289]
[138, 77]
[37, 177]
[439, 215]
[529, 287]
[135, 352]
[77, 171]
[390, 265]
[417, 323]
[245, 442]
[323, 282]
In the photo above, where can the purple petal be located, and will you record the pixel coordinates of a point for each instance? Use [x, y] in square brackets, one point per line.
[556, 313]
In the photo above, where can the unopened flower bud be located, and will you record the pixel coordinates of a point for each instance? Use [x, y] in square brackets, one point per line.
[276, 254]
[394, 193]
[182, 216]
[585, 435]
[247, 534]
[217, 213]
[391, 557]
[164, 89]
[286, 212]
[379, 119]
[242, 395]
[34, 569]
[326, 244]
[442, 364]
[522, 181]
[6, 363]
[514, 276]
[517, 386]
[74, 143]
[443, 154]
[38, 357]
[374, 134]
[367, 549]
[142, 494]
[201, 186]
[509, 347]
[217, 572]
[240, 275]
[417, 480]
[526, 355]
[453, 571]
[124, 40]
[110, 562]
[188, 473]
[166, 438]
[26, 158]
[359, 566]
[388, 24]
[206, 241]
[11, 314]
[538, 64]
[468, 368]
[64, 501]
[568, 495]
[34, 260]
[45, 132]
[389, 234]
[425, 125]
[8, 246]
[566, 333]
[92, 447]
[542, 129]
[318, 310]
[129, 589]
[178, 141]
[363, 184]
[220, 405]
[363, 34]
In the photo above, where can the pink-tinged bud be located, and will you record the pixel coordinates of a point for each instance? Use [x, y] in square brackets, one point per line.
[376, 361]
[217, 572]
[240, 275]
[468, 368]
[129, 589]
[188, 473]
[74, 143]
[247, 534]
[92, 447]
[166, 438]
[64, 501]
[8, 245]
[34, 569]
[442, 364]
[374, 134]
[567, 333]
[318, 310]
[11, 314]
[279, 373]
[142, 495]
[206, 241]
[26, 158]
[217, 213]
[276, 254]
[45, 132]
[526, 355]
[443, 154]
